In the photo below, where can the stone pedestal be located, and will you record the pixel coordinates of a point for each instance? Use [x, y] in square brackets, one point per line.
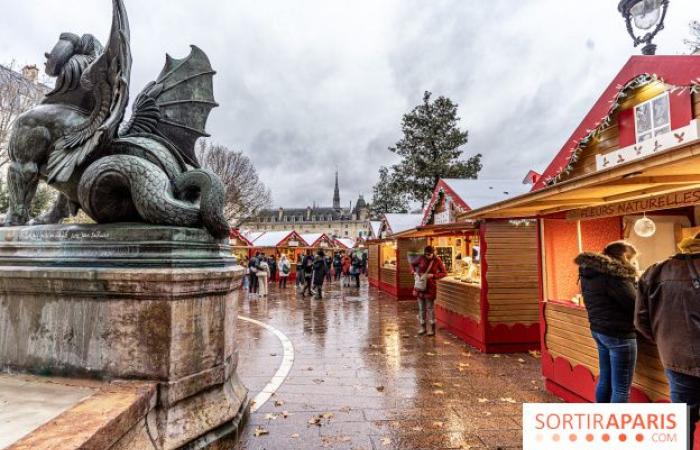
[129, 301]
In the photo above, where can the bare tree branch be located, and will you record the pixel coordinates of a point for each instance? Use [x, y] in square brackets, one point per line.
[246, 195]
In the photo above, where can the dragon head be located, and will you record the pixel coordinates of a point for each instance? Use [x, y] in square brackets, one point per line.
[69, 58]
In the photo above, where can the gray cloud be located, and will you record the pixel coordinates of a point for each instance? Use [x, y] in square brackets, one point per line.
[308, 86]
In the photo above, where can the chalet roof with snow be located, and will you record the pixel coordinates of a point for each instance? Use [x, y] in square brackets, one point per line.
[673, 70]
[454, 196]
[396, 223]
[276, 238]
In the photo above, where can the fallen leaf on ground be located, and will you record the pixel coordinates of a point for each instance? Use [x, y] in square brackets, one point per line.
[270, 416]
[438, 424]
[328, 415]
[285, 414]
[508, 400]
[521, 361]
[431, 354]
[438, 392]
[483, 400]
[295, 435]
[318, 381]
[437, 385]
[279, 403]
[346, 409]
[380, 388]
[315, 420]
[273, 354]
[260, 431]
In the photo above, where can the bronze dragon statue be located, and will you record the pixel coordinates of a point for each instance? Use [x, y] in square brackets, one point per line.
[143, 170]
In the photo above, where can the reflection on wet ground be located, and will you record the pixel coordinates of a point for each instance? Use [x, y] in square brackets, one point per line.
[362, 380]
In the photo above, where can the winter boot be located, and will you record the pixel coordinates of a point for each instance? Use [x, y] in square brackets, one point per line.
[431, 332]
[421, 332]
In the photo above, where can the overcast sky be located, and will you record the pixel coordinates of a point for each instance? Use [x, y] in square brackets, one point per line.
[306, 86]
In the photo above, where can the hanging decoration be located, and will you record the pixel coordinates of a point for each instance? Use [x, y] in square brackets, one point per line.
[645, 227]
[622, 94]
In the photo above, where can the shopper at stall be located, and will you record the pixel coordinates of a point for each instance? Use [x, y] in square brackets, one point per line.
[346, 267]
[337, 266]
[320, 270]
[608, 286]
[263, 274]
[329, 263]
[668, 307]
[364, 263]
[308, 269]
[356, 270]
[427, 269]
[272, 263]
[253, 274]
[285, 269]
[300, 271]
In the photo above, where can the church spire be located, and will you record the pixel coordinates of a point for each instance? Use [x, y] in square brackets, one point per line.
[336, 193]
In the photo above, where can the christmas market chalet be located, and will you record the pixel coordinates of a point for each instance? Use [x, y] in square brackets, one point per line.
[631, 170]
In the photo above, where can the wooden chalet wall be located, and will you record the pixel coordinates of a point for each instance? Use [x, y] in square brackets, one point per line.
[511, 272]
[373, 262]
[460, 298]
[568, 336]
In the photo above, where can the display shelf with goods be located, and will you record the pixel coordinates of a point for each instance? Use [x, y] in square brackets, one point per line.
[240, 246]
[617, 187]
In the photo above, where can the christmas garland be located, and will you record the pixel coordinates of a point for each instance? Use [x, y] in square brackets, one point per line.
[622, 94]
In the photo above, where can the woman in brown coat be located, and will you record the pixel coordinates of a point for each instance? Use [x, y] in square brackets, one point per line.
[432, 269]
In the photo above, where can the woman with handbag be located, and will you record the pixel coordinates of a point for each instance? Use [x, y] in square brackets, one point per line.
[427, 269]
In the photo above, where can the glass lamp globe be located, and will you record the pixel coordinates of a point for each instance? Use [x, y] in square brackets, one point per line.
[645, 227]
[646, 13]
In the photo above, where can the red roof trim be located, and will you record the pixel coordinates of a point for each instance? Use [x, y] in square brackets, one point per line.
[442, 184]
[238, 235]
[678, 70]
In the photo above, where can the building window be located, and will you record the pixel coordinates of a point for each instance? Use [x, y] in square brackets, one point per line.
[652, 118]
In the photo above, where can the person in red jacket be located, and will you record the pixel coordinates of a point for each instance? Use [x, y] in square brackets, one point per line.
[430, 268]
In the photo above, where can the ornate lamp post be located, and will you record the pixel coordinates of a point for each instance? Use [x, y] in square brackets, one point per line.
[645, 15]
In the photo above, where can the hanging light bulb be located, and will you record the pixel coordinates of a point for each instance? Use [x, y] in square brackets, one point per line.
[645, 227]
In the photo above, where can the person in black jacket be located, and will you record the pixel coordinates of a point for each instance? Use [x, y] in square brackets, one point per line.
[608, 285]
[320, 269]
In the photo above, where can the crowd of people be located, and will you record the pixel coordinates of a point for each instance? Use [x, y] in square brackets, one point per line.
[662, 305]
[311, 271]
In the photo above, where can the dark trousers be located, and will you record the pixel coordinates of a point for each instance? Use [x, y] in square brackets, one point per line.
[319, 290]
[686, 389]
[338, 271]
[307, 286]
[253, 283]
[357, 279]
[283, 282]
[617, 358]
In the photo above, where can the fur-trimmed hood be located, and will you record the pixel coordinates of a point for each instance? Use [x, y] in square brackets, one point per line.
[604, 264]
[690, 245]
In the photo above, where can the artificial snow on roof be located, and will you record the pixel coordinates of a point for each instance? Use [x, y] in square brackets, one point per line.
[403, 222]
[271, 238]
[311, 238]
[346, 242]
[479, 193]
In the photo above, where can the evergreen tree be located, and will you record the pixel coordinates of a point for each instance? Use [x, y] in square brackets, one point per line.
[431, 149]
[387, 196]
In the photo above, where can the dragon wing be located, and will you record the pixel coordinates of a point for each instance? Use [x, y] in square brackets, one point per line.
[108, 80]
[177, 105]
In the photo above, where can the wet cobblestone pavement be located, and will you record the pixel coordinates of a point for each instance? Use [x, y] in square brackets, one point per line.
[362, 380]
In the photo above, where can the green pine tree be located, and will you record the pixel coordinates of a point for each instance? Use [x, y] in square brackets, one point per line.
[431, 149]
[387, 195]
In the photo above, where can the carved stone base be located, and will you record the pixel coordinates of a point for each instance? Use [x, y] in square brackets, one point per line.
[129, 302]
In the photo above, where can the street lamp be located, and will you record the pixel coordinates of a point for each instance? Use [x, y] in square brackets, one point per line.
[645, 14]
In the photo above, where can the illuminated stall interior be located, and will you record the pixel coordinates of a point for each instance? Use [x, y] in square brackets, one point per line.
[634, 174]
[240, 245]
[393, 272]
[278, 243]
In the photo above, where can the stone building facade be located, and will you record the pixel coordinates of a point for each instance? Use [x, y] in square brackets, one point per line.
[335, 221]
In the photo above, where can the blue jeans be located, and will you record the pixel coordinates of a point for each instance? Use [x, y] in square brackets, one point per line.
[617, 358]
[686, 389]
